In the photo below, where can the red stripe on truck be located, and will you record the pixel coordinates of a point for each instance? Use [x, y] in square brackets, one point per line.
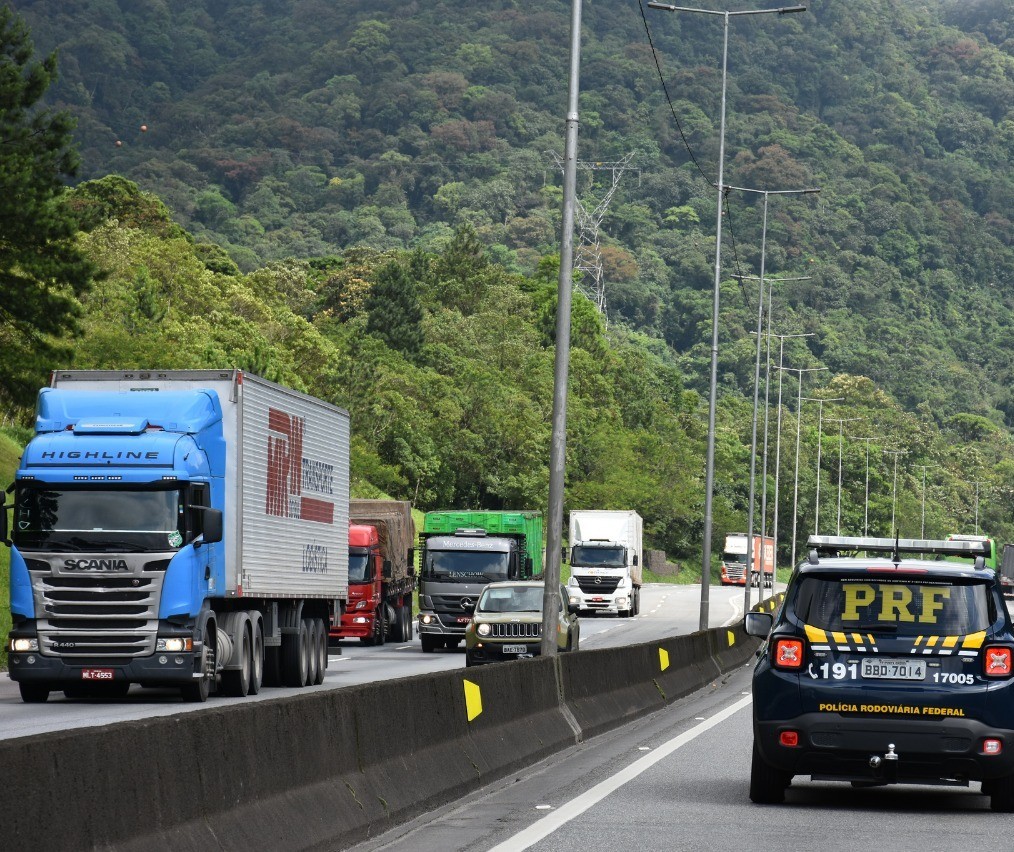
[321, 511]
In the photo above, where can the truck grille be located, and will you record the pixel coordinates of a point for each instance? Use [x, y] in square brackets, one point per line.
[515, 631]
[735, 572]
[99, 616]
[598, 585]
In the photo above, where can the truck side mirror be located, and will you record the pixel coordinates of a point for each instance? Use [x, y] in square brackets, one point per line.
[211, 522]
[635, 559]
[387, 569]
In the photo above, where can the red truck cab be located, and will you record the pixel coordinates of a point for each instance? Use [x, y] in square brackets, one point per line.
[366, 571]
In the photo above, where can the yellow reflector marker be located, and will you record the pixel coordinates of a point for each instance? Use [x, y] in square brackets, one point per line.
[815, 634]
[732, 638]
[950, 641]
[839, 638]
[473, 699]
[974, 640]
[663, 658]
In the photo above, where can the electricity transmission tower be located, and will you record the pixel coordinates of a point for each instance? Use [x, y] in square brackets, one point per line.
[588, 250]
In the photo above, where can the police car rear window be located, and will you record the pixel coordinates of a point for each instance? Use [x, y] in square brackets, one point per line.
[893, 606]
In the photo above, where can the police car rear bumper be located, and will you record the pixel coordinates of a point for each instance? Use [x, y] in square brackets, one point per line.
[846, 748]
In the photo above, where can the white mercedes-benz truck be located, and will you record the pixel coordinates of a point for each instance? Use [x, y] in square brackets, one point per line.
[605, 561]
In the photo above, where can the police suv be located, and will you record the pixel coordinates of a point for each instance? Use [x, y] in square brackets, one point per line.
[890, 667]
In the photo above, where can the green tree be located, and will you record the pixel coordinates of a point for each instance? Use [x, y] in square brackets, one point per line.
[42, 271]
[395, 315]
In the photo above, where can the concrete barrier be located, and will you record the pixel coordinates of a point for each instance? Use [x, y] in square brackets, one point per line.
[328, 768]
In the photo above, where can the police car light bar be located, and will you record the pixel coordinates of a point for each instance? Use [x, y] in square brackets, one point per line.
[828, 544]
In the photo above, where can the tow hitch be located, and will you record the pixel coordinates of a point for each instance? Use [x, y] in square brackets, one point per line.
[885, 766]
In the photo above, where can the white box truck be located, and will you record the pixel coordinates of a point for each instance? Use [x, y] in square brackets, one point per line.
[606, 550]
[184, 528]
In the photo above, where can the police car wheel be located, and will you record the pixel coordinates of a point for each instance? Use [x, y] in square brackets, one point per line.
[767, 784]
[1001, 795]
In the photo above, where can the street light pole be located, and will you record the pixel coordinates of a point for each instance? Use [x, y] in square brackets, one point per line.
[820, 435]
[841, 421]
[866, 516]
[925, 467]
[558, 450]
[799, 422]
[756, 401]
[709, 477]
[894, 499]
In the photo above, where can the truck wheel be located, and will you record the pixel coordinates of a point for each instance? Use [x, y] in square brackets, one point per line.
[34, 693]
[767, 784]
[294, 657]
[407, 610]
[429, 643]
[256, 656]
[312, 654]
[321, 650]
[198, 690]
[236, 682]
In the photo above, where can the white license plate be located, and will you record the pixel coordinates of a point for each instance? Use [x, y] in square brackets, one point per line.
[515, 649]
[891, 669]
[96, 674]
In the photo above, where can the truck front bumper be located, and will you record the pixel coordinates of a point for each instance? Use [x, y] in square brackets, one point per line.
[605, 603]
[443, 624]
[156, 670]
[354, 626]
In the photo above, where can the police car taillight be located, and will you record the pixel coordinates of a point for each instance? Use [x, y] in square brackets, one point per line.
[788, 654]
[998, 661]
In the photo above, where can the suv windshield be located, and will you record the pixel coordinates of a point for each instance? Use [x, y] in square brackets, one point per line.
[517, 599]
[98, 519]
[901, 607]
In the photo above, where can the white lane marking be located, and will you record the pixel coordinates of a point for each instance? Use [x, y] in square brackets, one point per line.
[542, 828]
[339, 659]
[403, 647]
[737, 611]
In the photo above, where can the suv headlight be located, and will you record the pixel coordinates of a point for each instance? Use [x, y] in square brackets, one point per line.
[482, 629]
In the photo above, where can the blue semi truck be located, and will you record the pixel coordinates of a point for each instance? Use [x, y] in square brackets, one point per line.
[176, 528]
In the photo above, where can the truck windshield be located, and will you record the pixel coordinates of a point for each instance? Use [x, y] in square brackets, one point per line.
[97, 519]
[587, 556]
[359, 567]
[466, 566]
[734, 558]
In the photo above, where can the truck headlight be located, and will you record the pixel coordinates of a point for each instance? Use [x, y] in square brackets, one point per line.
[426, 618]
[24, 644]
[482, 629]
[621, 601]
[173, 646]
[574, 599]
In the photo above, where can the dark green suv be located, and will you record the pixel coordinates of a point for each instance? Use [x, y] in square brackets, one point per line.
[886, 664]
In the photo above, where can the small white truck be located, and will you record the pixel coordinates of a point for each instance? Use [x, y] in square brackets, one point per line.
[606, 550]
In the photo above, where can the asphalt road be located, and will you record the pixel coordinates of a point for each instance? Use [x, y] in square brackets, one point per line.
[666, 610]
[678, 780]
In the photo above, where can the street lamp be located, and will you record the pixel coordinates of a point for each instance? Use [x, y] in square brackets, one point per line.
[922, 530]
[820, 443]
[709, 479]
[866, 515]
[894, 499]
[841, 421]
[799, 422]
[561, 365]
[756, 396]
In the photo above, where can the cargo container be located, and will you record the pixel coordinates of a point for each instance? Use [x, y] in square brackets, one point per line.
[177, 528]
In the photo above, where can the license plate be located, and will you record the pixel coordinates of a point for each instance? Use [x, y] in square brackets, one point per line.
[894, 669]
[463, 619]
[515, 649]
[96, 674]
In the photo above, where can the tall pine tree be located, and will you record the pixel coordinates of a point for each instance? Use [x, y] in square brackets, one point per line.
[42, 272]
[395, 315]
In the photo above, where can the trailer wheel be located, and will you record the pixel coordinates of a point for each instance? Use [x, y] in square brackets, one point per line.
[34, 693]
[321, 650]
[312, 654]
[257, 656]
[294, 656]
[409, 628]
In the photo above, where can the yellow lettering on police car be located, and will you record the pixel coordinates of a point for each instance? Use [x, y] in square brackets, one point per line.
[856, 595]
[895, 603]
[932, 602]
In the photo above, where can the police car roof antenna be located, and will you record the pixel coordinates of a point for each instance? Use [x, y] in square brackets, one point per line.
[896, 556]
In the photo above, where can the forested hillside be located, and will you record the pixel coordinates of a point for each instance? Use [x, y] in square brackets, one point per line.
[361, 200]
